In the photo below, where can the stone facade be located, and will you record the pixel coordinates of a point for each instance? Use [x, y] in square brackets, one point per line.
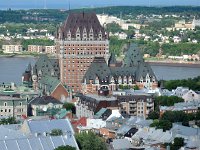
[79, 40]
[13, 106]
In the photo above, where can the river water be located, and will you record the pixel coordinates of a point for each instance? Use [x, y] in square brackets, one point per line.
[11, 70]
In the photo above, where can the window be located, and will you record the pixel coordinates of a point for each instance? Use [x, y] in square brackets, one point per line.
[5, 104]
[20, 104]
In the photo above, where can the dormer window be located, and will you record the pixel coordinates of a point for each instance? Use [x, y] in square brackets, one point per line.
[78, 34]
[69, 35]
[91, 34]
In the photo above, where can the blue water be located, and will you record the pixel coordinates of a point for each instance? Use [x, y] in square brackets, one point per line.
[64, 4]
[11, 70]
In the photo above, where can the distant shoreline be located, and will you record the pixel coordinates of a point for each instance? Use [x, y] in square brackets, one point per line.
[174, 64]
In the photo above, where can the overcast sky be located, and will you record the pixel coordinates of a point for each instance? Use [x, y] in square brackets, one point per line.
[26, 4]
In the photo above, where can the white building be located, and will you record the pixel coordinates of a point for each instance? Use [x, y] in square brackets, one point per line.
[12, 48]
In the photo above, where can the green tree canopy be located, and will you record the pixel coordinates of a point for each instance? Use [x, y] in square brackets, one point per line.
[89, 140]
[67, 147]
[56, 132]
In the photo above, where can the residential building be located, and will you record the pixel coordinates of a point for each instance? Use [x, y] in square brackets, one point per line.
[78, 41]
[42, 49]
[44, 106]
[187, 107]
[119, 144]
[35, 48]
[12, 48]
[88, 105]
[35, 135]
[134, 104]
[13, 106]
[108, 78]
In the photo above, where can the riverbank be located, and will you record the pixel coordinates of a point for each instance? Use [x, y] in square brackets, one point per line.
[174, 63]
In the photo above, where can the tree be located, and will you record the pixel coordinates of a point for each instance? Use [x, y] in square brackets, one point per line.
[162, 124]
[89, 140]
[153, 115]
[70, 106]
[67, 147]
[56, 132]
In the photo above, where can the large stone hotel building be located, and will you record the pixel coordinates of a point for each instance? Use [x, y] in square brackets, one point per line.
[79, 40]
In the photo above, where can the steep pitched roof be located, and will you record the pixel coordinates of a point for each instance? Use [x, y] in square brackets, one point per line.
[44, 100]
[112, 59]
[98, 68]
[50, 82]
[37, 143]
[142, 70]
[133, 56]
[41, 126]
[82, 22]
[46, 66]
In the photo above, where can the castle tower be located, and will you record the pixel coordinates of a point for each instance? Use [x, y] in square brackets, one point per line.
[78, 41]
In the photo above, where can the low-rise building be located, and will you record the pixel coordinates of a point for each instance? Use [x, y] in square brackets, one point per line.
[187, 107]
[42, 49]
[12, 48]
[13, 106]
[44, 106]
[88, 105]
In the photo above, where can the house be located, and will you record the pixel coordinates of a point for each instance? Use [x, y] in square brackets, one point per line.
[88, 105]
[13, 106]
[121, 144]
[191, 96]
[45, 105]
[12, 48]
[52, 86]
[44, 127]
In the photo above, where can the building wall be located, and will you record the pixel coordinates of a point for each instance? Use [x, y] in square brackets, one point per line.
[133, 106]
[60, 93]
[76, 57]
[19, 107]
[12, 48]
[107, 133]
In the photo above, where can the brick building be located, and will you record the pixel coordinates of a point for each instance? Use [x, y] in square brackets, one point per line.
[109, 77]
[78, 41]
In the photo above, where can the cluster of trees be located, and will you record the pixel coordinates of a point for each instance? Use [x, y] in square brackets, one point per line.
[165, 121]
[180, 49]
[90, 140]
[177, 144]
[70, 106]
[167, 100]
[193, 84]
[9, 120]
[162, 124]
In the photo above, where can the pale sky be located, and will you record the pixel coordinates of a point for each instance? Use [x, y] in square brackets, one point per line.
[26, 4]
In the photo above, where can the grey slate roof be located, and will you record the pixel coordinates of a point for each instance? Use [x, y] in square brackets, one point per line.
[6, 133]
[50, 82]
[41, 126]
[81, 21]
[44, 100]
[37, 143]
[121, 144]
[134, 67]
[99, 69]
[47, 66]
[133, 56]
